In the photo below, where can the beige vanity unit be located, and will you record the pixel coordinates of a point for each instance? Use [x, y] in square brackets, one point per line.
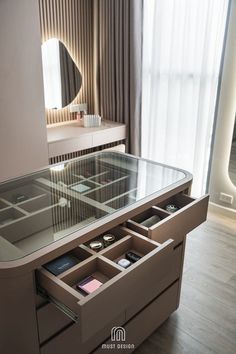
[53, 215]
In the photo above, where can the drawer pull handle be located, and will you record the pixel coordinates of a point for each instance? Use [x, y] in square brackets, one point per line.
[59, 305]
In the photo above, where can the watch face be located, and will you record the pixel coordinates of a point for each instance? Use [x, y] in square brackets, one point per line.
[96, 245]
[171, 208]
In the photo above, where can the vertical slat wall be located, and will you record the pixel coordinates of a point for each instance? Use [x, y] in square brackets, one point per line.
[71, 22]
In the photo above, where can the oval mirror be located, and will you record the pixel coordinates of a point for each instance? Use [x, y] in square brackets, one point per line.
[61, 77]
[232, 161]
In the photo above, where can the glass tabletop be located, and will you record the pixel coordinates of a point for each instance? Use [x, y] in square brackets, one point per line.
[43, 207]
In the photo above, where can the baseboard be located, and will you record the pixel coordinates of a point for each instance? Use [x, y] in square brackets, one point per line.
[223, 211]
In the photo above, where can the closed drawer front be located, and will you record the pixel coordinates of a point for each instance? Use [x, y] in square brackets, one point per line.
[69, 145]
[172, 273]
[105, 137]
[120, 286]
[190, 214]
[68, 341]
[39, 301]
[50, 321]
[143, 324]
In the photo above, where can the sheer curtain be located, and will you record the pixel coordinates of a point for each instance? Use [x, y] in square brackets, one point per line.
[182, 45]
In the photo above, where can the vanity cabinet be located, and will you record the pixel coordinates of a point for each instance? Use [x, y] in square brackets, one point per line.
[68, 137]
[48, 267]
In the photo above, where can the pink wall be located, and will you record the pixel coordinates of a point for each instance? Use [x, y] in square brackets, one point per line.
[23, 142]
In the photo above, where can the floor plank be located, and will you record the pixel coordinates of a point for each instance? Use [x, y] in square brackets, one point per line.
[170, 339]
[206, 319]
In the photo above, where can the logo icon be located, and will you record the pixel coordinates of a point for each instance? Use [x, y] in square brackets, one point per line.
[118, 337]
[118, 334]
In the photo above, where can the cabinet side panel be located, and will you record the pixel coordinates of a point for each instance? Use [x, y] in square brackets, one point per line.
[18, 326]
[23, 143]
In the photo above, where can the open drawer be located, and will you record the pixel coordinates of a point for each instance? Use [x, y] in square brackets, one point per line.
[120, 287]
[190, 214]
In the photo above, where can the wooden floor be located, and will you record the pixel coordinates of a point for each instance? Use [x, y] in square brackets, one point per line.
[206, 319]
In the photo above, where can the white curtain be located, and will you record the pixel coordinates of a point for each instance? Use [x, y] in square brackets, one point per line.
[182, 46]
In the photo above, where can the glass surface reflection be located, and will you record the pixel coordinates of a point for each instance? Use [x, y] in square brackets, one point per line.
[43, 207]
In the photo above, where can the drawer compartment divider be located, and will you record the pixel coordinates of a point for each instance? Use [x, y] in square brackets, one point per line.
[175, 225]
[119, 286]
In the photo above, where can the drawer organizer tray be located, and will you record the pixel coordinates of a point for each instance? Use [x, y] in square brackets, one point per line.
[120, 286]
[192, 212]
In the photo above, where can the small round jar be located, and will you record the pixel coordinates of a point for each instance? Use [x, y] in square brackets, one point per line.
[96, 246]
[108, 239]
[171, 208]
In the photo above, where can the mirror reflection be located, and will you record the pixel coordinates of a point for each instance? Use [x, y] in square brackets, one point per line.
[232, 161]
[62, 79]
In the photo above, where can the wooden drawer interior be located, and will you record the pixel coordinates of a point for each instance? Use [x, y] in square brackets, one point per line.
[180, 200]
[134, 244]
[97, 267]
[50, 319]
[139, 222]
[191, 213]
[117, 232]
[77, 256]
[118, 283]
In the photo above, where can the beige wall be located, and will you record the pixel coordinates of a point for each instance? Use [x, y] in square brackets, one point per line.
[219, 179]
[23, 145]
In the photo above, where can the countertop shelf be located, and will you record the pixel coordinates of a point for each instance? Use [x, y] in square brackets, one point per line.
[67, 137]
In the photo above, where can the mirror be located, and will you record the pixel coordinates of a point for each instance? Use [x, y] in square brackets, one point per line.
[61, 77]
[232, 160]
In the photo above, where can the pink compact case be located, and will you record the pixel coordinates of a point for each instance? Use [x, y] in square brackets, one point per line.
[89, 284]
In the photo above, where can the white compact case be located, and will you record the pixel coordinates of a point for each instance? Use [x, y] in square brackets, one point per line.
[91, 120]
[124, 263]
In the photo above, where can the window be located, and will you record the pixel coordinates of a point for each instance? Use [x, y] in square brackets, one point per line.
[182, 46]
